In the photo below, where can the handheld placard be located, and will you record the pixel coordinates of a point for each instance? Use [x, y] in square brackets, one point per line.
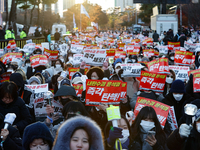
[84, 78]
[113, 114]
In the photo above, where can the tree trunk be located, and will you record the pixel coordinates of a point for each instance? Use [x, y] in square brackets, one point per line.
[42, 17]
[38, 18]
[32, 14]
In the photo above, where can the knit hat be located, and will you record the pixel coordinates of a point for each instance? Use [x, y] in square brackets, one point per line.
[66, 91]
[65, 81]
[177, 87]
[118, 60]
[34, 78]
[50, 71]
[35, 131]
[118, 64]
[77, 80]
[17, 79]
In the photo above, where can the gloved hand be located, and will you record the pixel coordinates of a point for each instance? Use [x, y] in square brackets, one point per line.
[184, 130]
[114, 134]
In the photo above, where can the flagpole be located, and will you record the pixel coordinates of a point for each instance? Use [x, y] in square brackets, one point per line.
[80, 18]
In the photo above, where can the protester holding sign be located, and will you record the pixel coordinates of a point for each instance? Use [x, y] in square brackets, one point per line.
[147, 131]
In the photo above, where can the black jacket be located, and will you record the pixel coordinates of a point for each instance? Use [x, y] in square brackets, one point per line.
[2, 34]
[174, 141]
[13, 141]
[19, 108]
[155, 37]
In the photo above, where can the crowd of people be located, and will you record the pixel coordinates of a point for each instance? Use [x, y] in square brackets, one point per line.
[77, 126]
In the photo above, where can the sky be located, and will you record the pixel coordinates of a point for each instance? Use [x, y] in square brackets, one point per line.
[105, 4]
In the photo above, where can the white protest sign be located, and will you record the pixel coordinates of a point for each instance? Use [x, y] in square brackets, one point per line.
[94, 57]
[131, 70]
[29, 41]
[37, 88]
[181, 72]
[163, 49]
[63, 47]
[1, 52]
[190, 46]
[29, 48]
[77, 59]
[77, 49]
[172, 119]
[45, 45]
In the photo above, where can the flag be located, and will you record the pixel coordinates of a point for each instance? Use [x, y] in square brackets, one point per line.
[95, 25]
[83, 11]
[74, 21]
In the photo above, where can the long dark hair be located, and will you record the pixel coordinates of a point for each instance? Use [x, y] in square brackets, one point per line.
[9, 88]
[147, 112]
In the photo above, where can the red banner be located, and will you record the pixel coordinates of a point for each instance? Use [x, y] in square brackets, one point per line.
[148, 52]
[152, 81]
[74, 70]
[120, 54]
[11, 45]
[193, 71]
[103, 91]
[111, 52]
[121, 46]
[123, 90]
[171, 45]
[132, 50]
[10, 56]
[183, 57]
[79, 89]
[38, 60]
[196, 81]
[161, 109]
[51, 54]
[161, 65]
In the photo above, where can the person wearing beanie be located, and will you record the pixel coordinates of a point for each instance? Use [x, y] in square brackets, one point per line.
[34, 80]
[77, 80]
[186, 137]
[37, 136]
[178, 98]
[82, 128]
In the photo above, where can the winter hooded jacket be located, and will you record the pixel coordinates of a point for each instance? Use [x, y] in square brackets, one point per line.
[19, 108]
[66, 130]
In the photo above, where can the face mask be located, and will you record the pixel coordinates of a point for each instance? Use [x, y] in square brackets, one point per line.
[133, 60]
[147, 125]
[93, 78]
[172, 58]
[117, 70]
[65, 101]
[169, 80]
[28, 64]
[40, 147]
[198, 127]
[58, 66]
[10, 70]
[178, 97]
[125, 134]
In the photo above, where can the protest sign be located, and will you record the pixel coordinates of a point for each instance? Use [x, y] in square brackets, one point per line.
[72, 71]
[161, 109]
[94, 57]
[148, 52]
[172, 119]
[196, 81]
[77, 59]
[78, 88]
[37, 88]
[152, 81]
[181, 72]
[11, 45]
[190, 46]
[29, 48]
[45, 45]
[193, 71]
[9, 56]
[123, 90]
[183, 57]
[111, 52]
[160, 65]
[103, 91]
[51, 54]
[120, 54]
[77, 49]
[121, 46]
[6, 76]
[38, 60]
[171, 45]
[132, 50]
[131, 70]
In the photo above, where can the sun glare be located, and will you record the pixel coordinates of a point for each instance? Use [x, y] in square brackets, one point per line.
[79, 1]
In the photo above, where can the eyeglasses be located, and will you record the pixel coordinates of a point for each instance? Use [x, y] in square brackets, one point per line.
[40, 147]
[170, 76]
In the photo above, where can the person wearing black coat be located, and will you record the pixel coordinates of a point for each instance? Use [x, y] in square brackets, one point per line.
[10, 102]
[178, 98]
[185, 138]
[13, 140]
[155, 37]
[2, 34]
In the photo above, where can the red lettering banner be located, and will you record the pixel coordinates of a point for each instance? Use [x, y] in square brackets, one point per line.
[161, 65]
[38, 60]
[51, 54]
[183, 57]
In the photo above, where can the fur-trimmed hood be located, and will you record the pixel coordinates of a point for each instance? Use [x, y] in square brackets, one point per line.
[63, 137]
